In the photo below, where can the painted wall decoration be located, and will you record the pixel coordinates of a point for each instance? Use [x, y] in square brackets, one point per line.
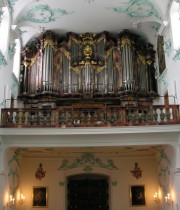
[177, 55]
[13, 173]
[11, 4]
[164, 170]
[11, 50]
[137, 8]
[136, 172]
[40, 173]
[3, 61]
[87, 161]
[167, 47]
[43, 14]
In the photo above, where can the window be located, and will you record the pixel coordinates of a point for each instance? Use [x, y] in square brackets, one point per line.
[175, 24]
[16, 63]
[4, 30]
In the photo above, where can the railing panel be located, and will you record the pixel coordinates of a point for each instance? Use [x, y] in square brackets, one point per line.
[91, 117]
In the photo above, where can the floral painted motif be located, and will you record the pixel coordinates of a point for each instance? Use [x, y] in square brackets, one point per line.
[137, 8]
[137, 172]
[43, 14]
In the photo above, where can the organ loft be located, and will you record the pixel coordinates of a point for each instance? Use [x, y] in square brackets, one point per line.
[87, 70]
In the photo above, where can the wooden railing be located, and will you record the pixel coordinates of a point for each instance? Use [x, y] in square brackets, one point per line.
[91, 117]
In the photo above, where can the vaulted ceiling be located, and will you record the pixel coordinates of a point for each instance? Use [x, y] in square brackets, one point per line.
[144, 17]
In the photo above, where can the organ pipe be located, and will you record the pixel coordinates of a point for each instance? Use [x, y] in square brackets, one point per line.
[95, 64]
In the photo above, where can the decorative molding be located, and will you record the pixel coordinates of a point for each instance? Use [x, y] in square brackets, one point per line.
[43, 14]
[88, 161]
[3, 61]
[137, 9]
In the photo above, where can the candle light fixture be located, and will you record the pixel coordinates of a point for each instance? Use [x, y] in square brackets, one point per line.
[168, 199]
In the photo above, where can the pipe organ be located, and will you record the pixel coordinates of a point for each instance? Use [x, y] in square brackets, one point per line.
[93, 68]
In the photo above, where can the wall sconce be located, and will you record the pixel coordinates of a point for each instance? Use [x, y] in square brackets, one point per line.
[11, 201]
[156, 197]
[168, 199]
[21, 199]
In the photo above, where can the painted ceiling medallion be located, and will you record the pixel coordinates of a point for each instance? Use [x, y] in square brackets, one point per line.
[40, 173]
[43, 14]
[137, 172]
[138, 8]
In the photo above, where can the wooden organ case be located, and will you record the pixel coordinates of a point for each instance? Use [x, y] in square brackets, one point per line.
[87, 70]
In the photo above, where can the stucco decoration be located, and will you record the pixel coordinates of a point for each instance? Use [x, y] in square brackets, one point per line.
[11, 3]
[13, 174]
[138, 9]
[164, 170]
[43, 14]
[177, 55]
[12, 50]
[87, 161]
[3, 61]
[156, 27]
[167, 47]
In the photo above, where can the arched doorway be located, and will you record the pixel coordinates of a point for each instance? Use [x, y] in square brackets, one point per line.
[88, 192]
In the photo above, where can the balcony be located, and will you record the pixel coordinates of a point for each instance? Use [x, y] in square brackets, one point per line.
[90, 116]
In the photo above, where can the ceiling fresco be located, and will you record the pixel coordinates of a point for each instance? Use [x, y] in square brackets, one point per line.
[32, 17]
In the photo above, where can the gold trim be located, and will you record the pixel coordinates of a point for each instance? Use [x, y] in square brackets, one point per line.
[108, 53]
[100, 39]
[33, 60]
[126, 41]
[142, 59]
[66, 53]
[49, 42]
[75, 40]
[100, 69]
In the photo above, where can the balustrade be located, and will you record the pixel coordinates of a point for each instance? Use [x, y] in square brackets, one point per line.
[88, 117]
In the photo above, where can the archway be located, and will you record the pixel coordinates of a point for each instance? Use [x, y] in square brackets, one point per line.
[88, 191]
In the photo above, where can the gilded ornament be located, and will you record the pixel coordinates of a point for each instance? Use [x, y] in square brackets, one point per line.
[126, 41]
[49, 42]
[142, 59]
[66, 53]
[88, 51]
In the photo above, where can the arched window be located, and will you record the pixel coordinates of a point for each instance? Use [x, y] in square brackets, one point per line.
[175, 24]
[16, 63]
